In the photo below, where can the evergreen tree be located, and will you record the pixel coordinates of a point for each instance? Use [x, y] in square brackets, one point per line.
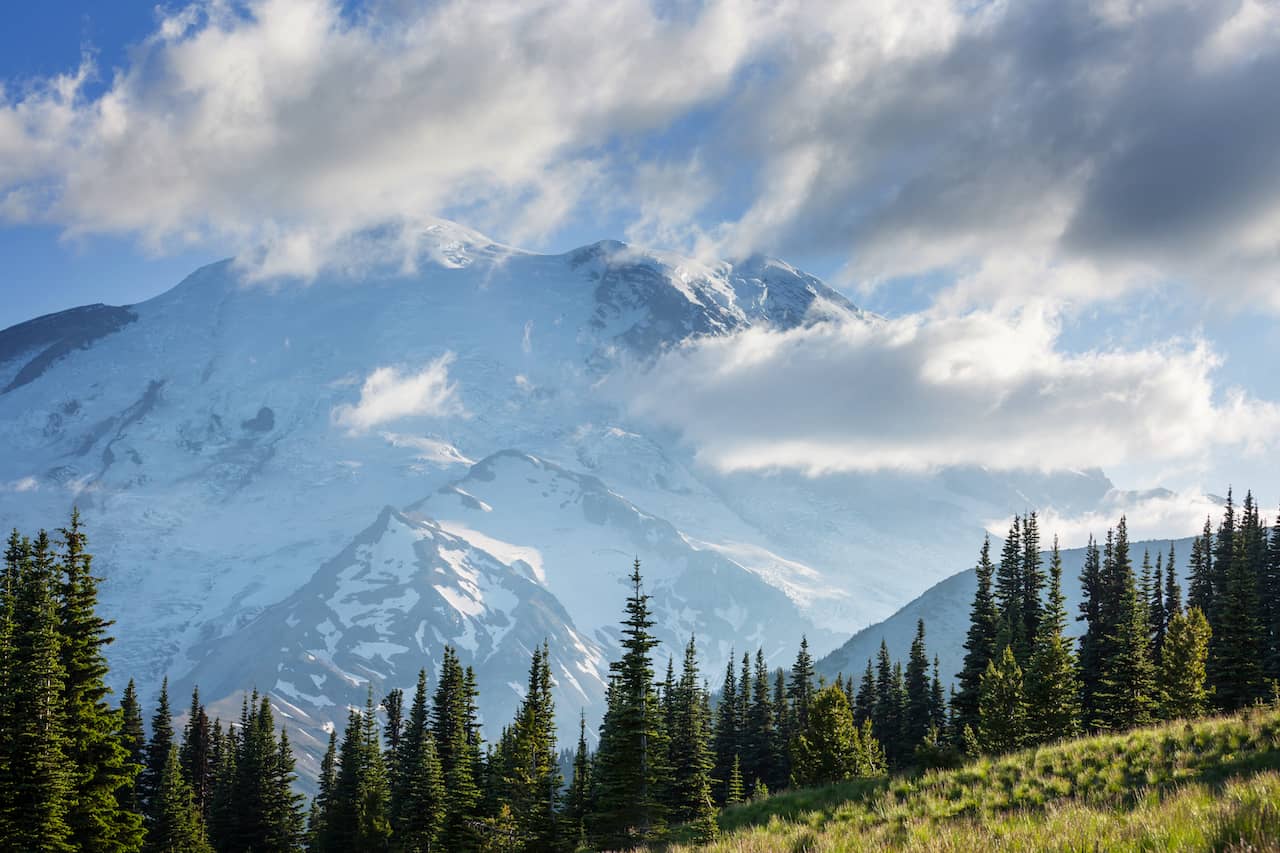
[1052, 688]
[223, 809]
[885, 717]
[1126, 691]
[1032, 583]
[937, 702]
[831, 748]
[784, 727]
[735, 791]
[1156, 610]
[36, 747]
[1183, 666]
[256, 808]
[629, 765]
[1010, 593]
[358, 817]
[800, 688]
[864, 704]
[1235, 648]
[1002, 710]
[759, 740]
[1172, 591]
[919, 708]
[689, 748]
[1091, 641]
[1269, 592]
[577, 799]
[1200, 589]
[423, 815]
[532, 774]
[452, 709]
[133, 738]
[157, 753]
[100, 762]
[196, 755]
[979, 646]
[326, 785]
[727, 736]
[175, 824]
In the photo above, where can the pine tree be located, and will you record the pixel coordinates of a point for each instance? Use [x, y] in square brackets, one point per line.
[1002, 710]
[728, 727]
[1235, 648]
[629, 764]
[357, 818]
[531, 773]
[885, 718]
[253, 806]
[450, 715]
[1091, 642]
[864, 704]
[760, 744]
[689, 749]
[577, 798]
[1269, 592]
[1172, 591]
[735, 791]
[1126, 692]
[784, 726]
[831, 748]
[100, 762]
[157, 752]
[937, 702]
[1010, 593]
[1032, 583]
[326, 784]
[979, 645]
[175, 824]
[800, 687]
[36, 748]
[919, 708]
[1183, 667]
[133, 738]
[1156, 610]
[1200, 590]
[1052, 687]
[195, 756]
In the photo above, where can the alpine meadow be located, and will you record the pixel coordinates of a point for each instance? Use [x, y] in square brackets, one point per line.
[454, 426]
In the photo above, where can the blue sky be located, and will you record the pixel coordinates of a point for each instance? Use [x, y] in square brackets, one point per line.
[1105, 176]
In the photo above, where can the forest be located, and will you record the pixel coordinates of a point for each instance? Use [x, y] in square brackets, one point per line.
[79, 771]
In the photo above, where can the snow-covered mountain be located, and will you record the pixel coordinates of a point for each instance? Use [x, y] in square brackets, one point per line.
[282, 488]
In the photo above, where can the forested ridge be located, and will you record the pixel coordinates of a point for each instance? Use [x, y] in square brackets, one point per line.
[79, 771]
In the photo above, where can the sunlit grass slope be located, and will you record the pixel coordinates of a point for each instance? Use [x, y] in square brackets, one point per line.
[1212, 784]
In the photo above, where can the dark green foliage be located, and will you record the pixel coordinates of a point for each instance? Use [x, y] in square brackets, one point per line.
[1010, 594]
[1052, 687]
[629, 771]
[728, 728]
[157, 751]
[100, 763]
[577, 797]
[253, 804]
[1156, 613]
[1269, 596]
[1092, 640]
[735, 791]
[1032, 584]
[690, 760]
[327, 783]
[1126, 692]
[801, 685]
[133, 738]
[1172, 591]
[1236, 648]
[979, 645]
[175, 826]
[864, 703]
[1200, 591]
[530, 776]
[759, 747]
[357, 818]
[196, 755]
[920, 714]
[452, 719]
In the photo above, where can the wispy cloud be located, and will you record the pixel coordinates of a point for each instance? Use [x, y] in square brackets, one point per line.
[389, 394]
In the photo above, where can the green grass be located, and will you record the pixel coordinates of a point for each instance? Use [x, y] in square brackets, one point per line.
[1212, 784]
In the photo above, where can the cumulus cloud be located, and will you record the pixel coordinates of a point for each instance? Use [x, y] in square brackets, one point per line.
[388, 394]
[930, 391]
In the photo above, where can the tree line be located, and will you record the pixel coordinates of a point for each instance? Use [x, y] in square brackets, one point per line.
[413, 773]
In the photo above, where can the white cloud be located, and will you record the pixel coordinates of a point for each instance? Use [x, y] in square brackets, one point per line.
[24, 484]
[930, 391]
[1156, 515]
[389, 395]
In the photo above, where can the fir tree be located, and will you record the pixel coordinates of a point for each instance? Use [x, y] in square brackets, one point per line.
[1235, 648]
[577, 798]
[157, 752]
[195, 756]
[864, 703]
[1032, 582]
[1092, 640]
[727, 736]
[919, 707]
[1002, 710]
[1182, 669]
[100, 761]
[937, 702]
[689, 749]
[450, 722]
[735, 791]
[175, 823]
[800, 687]
[36, 747]
[1200, 590]
[1010, 593]
[629, 764]
[358, 817]
[1269, 592]
[759, 739]
[1156, 610]
[979, 645]
[886, 717]
[133, 738]
[532, 775]
[326, 784]
[1052, 688]
[1172, 591]
[1126, 691]
[831, 748]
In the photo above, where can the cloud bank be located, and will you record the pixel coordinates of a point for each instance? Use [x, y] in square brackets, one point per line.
[926, 392]
[1067, 149]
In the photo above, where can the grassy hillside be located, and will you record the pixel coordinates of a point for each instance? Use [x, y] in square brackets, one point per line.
[1209, 785]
